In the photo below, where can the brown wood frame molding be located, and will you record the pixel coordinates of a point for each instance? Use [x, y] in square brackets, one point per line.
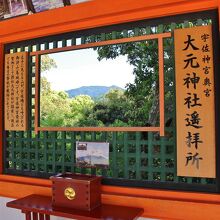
[158, 37]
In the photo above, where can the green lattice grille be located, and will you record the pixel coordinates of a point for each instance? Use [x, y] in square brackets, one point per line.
[141, 156]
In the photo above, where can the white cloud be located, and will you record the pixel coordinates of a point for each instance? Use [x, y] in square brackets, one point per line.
[73, 72]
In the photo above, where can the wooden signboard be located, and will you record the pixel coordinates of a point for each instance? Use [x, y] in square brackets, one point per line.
[15, 91]
[195, 102]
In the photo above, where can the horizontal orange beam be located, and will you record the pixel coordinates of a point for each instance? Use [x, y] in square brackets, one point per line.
[162, 194]
[76, 12]
[156, 203]
[95, 14]
[16, 190]
[152, 129]
[167, 209]
[25, 180]
[103, 43]
[110, 190]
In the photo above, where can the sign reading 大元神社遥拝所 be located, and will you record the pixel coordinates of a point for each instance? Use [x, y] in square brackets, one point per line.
[195, 107]
[15, 91]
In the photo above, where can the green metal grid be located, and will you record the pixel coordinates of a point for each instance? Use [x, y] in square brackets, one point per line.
[136, 158]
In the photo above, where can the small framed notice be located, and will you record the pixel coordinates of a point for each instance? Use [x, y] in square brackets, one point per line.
[92, 154]
[15, 91]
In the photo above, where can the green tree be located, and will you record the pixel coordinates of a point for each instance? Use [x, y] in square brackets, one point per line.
[81, 106]
[54, 106]
[144, 92]
[47, 63]
[112, 109]
[138, 105]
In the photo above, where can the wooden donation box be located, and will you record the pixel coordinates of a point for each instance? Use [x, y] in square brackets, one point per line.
[76, 191]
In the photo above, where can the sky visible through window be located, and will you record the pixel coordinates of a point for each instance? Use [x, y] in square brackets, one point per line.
[82, 68]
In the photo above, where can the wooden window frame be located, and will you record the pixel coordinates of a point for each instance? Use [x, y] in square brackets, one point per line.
[158, 37]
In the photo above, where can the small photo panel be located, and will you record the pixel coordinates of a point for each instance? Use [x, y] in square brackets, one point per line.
[43, 5]
[92, 154]
[73, 2]
[14, 8]
[2, 9]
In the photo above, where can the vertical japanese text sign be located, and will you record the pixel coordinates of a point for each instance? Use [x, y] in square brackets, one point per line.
[195, 102]
[15, 91]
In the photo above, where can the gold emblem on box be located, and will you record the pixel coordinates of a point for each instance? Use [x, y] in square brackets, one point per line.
[70, 193]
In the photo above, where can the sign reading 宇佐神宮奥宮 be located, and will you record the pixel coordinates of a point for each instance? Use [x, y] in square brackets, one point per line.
[195, 107]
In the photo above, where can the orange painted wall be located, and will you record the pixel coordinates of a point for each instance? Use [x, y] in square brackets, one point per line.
[95, 13]
[156, 203]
